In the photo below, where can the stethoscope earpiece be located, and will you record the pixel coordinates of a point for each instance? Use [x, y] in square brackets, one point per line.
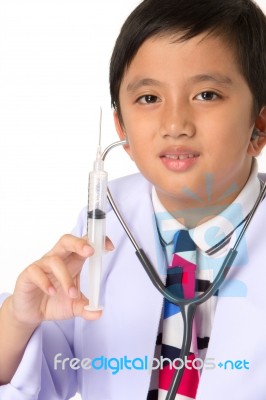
[257, 133]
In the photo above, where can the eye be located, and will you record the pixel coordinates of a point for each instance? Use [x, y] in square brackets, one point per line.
[148, 99]
[207, 96]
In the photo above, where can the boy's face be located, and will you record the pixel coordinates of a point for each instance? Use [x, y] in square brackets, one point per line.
[187, 114]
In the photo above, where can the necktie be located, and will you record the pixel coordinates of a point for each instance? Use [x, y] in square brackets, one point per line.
[181, 281]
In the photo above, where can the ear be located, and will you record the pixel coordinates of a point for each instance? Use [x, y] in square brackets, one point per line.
[256, 145]
[121, 132]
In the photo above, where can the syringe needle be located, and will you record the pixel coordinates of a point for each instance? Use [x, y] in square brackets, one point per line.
[100, 128]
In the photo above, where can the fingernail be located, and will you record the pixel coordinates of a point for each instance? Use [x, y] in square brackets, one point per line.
[73, 292]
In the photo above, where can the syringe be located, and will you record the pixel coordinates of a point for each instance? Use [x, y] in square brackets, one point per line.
[96, 225]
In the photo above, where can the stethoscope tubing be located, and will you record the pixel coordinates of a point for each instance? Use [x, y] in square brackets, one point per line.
[187, 306]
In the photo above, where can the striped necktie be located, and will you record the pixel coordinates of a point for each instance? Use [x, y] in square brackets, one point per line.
[181, 278]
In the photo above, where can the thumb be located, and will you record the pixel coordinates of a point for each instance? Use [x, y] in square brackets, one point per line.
[80, 311]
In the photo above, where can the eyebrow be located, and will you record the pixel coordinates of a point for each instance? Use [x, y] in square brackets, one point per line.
[216, 78]
[135, 85]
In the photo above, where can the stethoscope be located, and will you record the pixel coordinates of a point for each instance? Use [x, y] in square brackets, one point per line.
[187, 306]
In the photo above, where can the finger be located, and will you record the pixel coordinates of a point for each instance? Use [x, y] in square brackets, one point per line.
[39, 278]
[109, 244]
[77, 285]
[80, 311]
[68, 244]
[54, 265]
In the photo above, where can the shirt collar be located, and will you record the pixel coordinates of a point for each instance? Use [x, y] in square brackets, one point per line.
[212, 236]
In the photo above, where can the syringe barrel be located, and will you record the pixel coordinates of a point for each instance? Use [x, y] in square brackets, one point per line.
[97, 194]
[96, 233]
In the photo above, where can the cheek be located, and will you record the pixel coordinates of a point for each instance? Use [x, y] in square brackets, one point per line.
[135, 149]
[134, 145]
[231, 135]
[139, 138]
[130, 153]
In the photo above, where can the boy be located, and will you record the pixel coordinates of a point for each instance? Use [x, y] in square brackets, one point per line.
[188, 86]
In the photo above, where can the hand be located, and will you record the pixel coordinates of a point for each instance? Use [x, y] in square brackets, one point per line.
[49, 288]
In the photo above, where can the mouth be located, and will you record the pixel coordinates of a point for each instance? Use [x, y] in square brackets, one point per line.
[179, 159]
[179, 156]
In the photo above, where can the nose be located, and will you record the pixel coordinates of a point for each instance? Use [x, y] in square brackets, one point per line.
[176, 120]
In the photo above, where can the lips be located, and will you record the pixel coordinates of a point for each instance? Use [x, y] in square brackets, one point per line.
[179, 159]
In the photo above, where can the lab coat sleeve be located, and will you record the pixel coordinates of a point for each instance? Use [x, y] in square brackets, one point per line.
[37, 377]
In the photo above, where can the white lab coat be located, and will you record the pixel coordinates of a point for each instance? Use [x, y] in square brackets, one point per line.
[132, 309]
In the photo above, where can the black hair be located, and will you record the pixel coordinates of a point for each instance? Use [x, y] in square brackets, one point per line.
[241, 23]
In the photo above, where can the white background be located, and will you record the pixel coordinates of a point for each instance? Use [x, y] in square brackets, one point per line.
[54, 57]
